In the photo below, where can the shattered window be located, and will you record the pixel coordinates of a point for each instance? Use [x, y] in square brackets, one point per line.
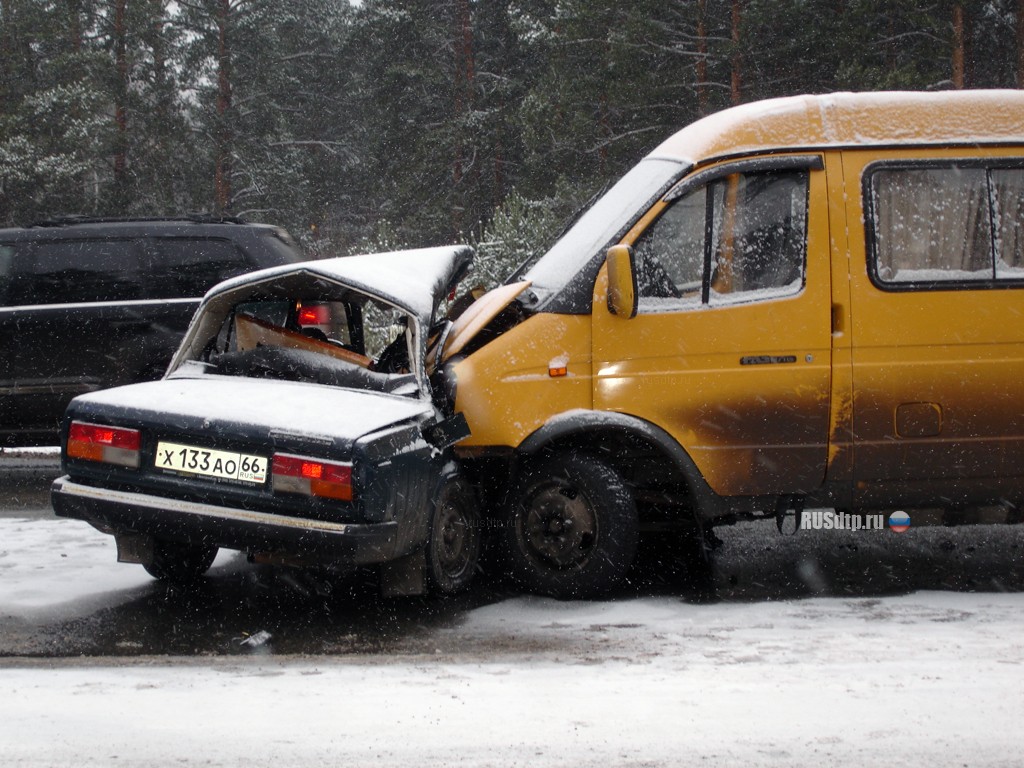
[338, 338]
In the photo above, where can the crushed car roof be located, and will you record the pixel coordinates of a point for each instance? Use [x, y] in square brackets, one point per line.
[415, 280]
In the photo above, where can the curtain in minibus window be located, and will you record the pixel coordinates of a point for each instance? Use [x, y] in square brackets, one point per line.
[1008, 201]
[932, 224]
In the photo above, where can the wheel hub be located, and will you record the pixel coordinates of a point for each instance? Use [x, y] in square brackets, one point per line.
[560, 527]
[453, 538]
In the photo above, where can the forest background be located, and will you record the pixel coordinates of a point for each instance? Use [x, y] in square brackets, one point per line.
[373, 125]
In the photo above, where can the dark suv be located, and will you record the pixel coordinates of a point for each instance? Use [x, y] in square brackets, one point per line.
[86, 304]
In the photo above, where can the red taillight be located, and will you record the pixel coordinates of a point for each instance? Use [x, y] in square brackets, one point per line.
[317, 314]
[312, 477]
[111, 445]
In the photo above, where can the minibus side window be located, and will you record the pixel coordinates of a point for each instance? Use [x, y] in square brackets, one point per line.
[670, 254]
[761, 242]
[1008, 200]
[932, 224]
[740, 238]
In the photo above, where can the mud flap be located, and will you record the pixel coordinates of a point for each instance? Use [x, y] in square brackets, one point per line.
[134, 548]
[405, 577]
[782, 511]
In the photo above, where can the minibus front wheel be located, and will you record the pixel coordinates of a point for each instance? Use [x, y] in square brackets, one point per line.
[572, 529]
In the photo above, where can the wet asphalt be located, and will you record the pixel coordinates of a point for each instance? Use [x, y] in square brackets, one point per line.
[311, 614]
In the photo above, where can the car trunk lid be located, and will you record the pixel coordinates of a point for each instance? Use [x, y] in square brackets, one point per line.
[272, 413]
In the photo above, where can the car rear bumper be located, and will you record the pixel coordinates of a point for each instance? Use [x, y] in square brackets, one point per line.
[323, 542]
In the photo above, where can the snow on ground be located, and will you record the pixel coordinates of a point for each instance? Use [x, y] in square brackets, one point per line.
[69, 565]
[927, 678]
[62, 566]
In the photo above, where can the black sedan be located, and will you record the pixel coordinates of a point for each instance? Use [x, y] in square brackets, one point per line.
[297, 424]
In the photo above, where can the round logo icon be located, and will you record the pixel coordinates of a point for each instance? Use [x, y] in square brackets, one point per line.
[899, 521]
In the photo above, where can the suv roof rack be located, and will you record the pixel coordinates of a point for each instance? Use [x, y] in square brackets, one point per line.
[67, 220]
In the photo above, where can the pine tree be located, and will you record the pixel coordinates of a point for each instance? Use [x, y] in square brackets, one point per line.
[54, 136]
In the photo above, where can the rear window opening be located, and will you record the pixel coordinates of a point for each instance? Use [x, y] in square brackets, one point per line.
[337, 338]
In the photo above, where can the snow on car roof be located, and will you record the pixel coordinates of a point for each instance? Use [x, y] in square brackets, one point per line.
[413, 280]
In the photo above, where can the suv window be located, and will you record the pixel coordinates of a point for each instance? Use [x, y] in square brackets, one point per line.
[937, 225]
[189, 266]
[740, 237]
[6, 266]
[66, 272]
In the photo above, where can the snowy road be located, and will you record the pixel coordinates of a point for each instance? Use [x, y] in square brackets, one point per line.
[930, 679]
[822, 649]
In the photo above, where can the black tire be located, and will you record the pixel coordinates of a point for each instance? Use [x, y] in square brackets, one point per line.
[573, 528]
[453, 547]
[180, 563]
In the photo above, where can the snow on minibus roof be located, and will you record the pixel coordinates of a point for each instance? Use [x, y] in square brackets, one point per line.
[885, 118]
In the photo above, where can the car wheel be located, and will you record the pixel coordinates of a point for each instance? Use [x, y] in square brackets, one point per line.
[573, 529]
[180, 563]
[453, 549]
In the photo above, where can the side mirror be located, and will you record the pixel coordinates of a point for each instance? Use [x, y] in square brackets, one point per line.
[622, 291]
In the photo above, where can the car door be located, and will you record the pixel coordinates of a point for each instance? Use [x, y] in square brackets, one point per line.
[730, 348]
[7, 256]
[938, 342]
[72, 323]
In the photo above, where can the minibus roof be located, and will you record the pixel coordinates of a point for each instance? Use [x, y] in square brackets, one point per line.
[885, 118]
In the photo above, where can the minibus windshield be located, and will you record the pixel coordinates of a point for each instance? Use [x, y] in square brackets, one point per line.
[595, 228]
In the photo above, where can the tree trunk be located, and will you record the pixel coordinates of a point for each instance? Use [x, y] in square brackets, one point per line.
[1020, 43]
[222, 172]
[464, 77]
[74, 25]
[737, 59]
[120, 190]
[958, 46]
[8, 66]
[702, 57]
[160, 58]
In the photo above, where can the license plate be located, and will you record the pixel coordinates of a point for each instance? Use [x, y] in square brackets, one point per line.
[209, 463]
